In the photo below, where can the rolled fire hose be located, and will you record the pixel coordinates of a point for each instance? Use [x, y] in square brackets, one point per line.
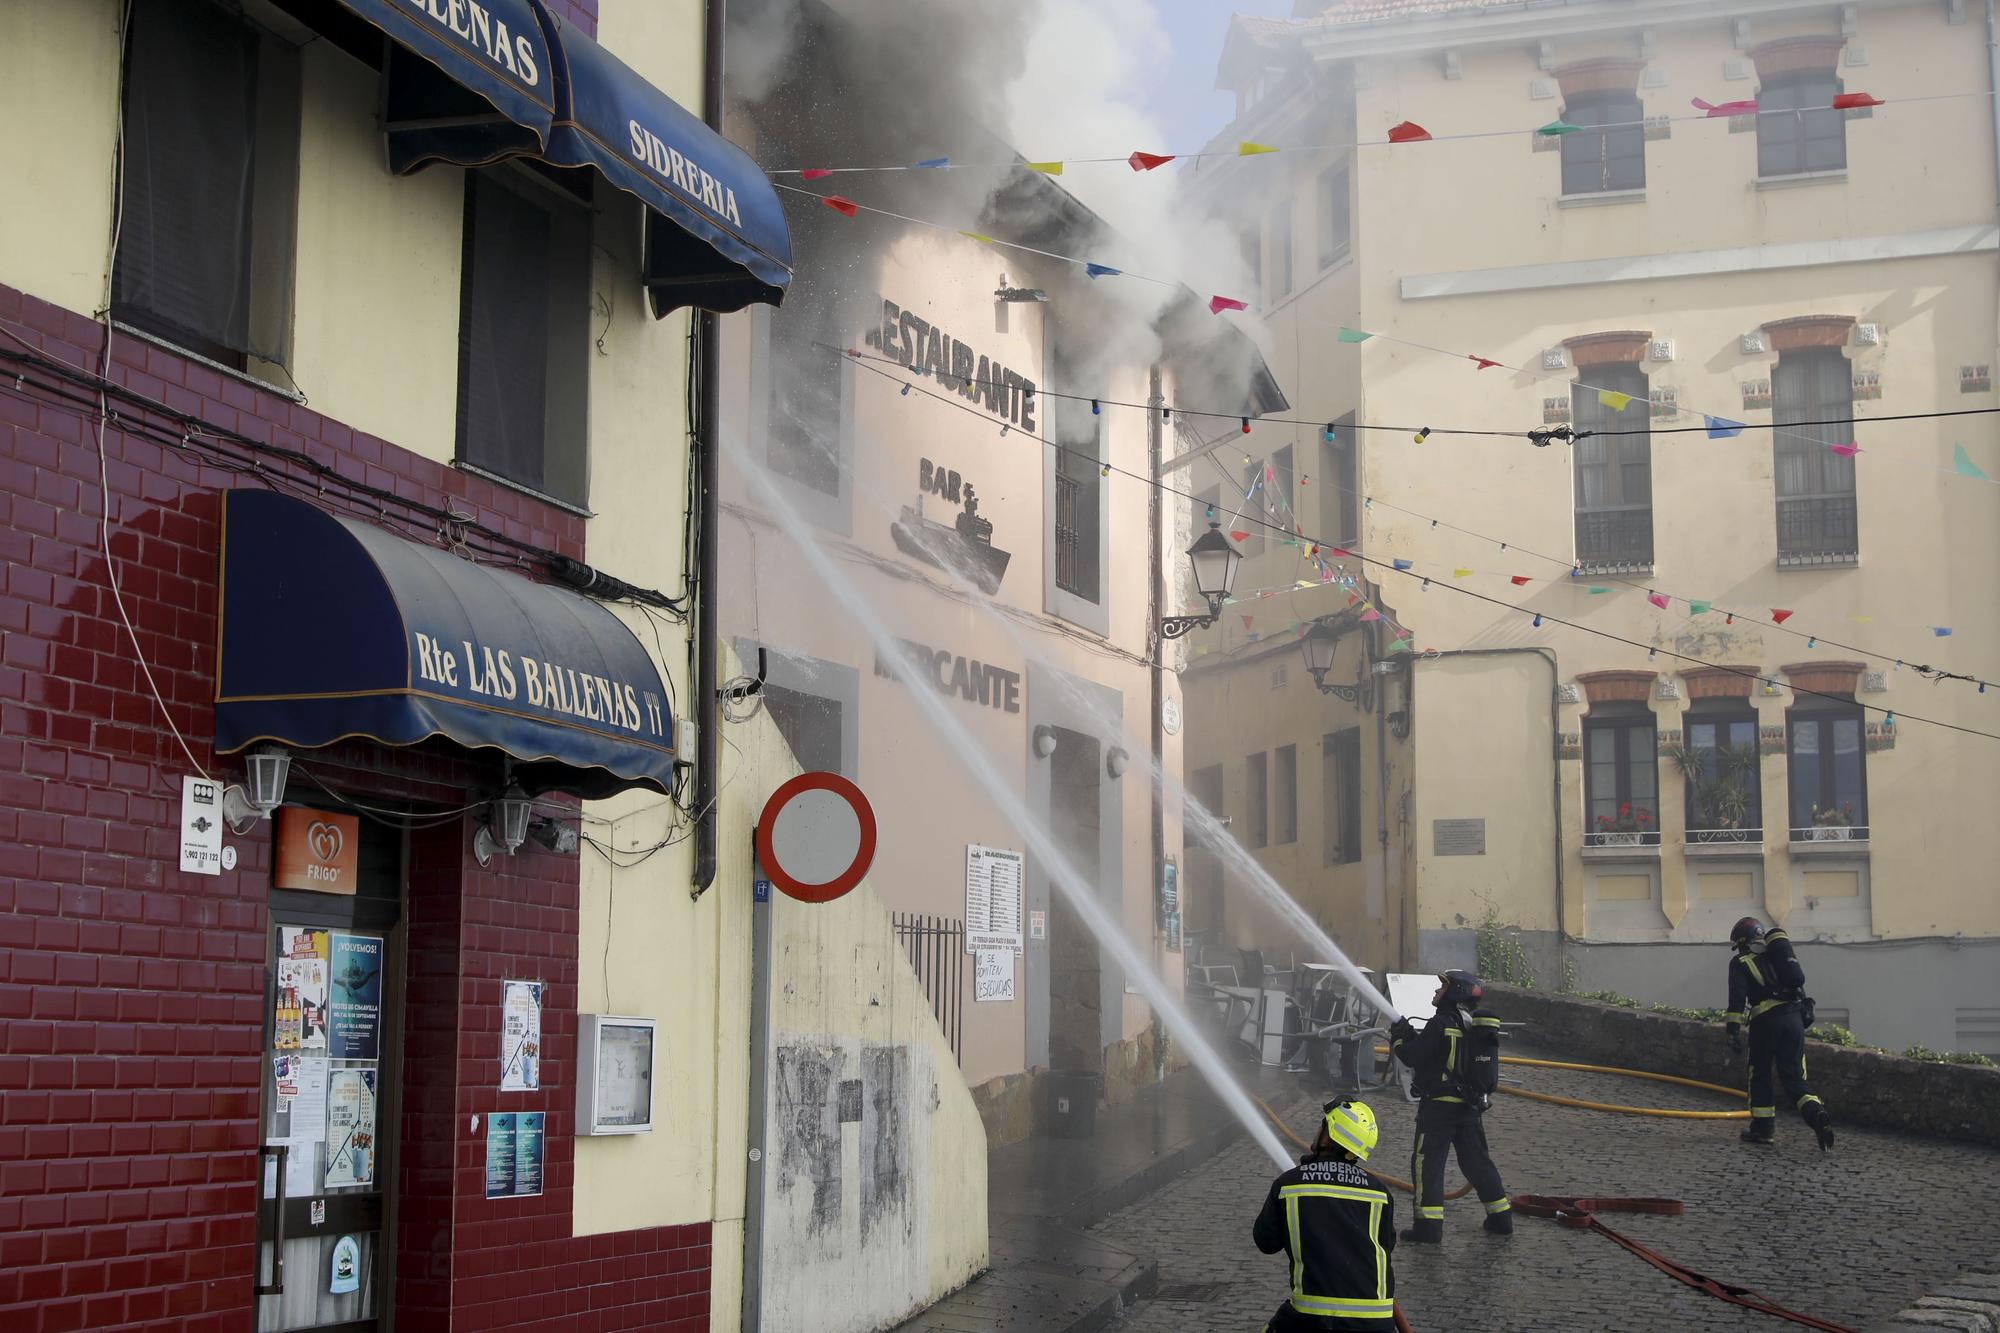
[1581, 1104]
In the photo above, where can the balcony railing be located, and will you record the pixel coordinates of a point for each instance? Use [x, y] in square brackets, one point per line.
[1645, 838]
[1725, 837]
[1612, 541]
[1831, 833]
[1818, 530]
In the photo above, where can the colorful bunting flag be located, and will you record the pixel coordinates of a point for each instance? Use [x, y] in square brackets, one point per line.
[1248, 149]
[1746, 107]
[1845, 450]
[1482, 362]
[815, 173]
[1518, 580]
[1238, 535]
[1698, 608]
[1961, 463]
[1402, 564]
[1218, 304]
[1461, 573]
[1614, 400]
[1148, 161]
[1942, 631]
[1342, 553]
[845, 207]
[1347, 335]
[1861, 619]
[1779, 617]
[1408, 131]
[932, 164]
[1658, 599]
[1304, 583]
[1370, 615]
[1046, 168]
[979, 236]
[1722, 428]
[1400, 646]
[1853, 101]
[1248, 621]
[1101, 271]
[1556, 127]
[1597, 590]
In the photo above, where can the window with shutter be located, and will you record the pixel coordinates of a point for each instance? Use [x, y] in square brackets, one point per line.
[1614, 471]
[1812, 407]
[1609, 153]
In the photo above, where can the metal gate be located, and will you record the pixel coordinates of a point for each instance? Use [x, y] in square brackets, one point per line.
[936, 947]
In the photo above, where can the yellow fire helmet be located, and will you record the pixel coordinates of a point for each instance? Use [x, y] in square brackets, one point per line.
[1351, 1124]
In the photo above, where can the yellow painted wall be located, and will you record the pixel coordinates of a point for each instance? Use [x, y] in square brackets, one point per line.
[55, 227]
[374, 319]
[1495, 707]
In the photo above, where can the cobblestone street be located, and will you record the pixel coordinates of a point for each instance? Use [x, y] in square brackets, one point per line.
[1851, 1237]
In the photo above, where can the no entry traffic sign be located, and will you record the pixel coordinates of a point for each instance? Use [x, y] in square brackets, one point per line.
[816, 837]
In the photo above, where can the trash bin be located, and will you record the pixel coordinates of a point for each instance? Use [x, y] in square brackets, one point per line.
[1072, 1103]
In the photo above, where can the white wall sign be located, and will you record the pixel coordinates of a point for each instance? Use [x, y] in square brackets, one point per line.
[992, 899]
[201, 826]
[993, 977]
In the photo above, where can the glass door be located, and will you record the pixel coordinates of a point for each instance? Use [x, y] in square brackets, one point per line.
[332, 1023]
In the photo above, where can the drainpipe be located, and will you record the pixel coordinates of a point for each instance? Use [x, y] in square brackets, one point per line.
[708, 330]
[1993, 102]
[1376, 683]
[1155, 452]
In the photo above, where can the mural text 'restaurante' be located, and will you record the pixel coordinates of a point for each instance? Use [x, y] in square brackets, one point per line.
[910, 340]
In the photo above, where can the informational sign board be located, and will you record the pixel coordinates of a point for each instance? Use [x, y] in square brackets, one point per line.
[355, 991]
[299, 999]
[1411, 993]
[615, 1062]
[350, 1128]
[993, 975]
[521, 1036]
[514, 1154]
[1458, 837]
[1170, 905]
[201, 826]
[992, 899]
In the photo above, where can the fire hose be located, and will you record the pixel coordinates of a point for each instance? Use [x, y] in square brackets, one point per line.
[1581, 1213]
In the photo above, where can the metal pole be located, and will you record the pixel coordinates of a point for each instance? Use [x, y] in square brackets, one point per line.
[760, 1055]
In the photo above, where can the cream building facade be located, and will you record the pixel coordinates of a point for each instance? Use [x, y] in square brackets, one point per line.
[1803, 265]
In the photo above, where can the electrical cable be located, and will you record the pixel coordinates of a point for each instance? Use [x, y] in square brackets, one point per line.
[1021, 163]
[1208, 414]
[1547, 617]
[401, 819]
[1932, 673]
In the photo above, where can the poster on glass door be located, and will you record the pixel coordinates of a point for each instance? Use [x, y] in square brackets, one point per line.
[355, 1012]
[350, 1128]
[298, 1019]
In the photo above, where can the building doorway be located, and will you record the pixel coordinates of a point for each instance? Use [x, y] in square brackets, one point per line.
[1076, 1003]
[331, 1060]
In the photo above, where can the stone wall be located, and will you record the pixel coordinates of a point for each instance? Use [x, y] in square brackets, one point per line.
[1861, 1087]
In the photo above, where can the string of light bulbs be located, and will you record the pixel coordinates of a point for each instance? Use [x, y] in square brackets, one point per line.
[1653, 651]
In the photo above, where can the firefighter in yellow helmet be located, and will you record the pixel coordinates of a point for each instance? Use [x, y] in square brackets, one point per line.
[1337, 1224]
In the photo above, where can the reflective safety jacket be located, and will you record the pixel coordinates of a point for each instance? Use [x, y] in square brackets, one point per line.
[1437, 1055]
[1338, 1225]
[1759, 983]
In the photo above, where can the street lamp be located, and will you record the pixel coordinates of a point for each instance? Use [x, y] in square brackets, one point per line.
[1215, 559]
[505, 827]
[1319, 645]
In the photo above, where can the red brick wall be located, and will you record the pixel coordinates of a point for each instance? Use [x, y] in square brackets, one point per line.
[131, 994]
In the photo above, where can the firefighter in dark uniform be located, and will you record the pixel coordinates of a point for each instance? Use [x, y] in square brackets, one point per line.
[1337, 1224]
[1454, 1063]
[1767, 991]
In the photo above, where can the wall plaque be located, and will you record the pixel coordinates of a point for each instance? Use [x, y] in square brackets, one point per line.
[1458, 837]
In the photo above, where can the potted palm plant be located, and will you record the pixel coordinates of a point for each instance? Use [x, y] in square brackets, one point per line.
[1723, 784]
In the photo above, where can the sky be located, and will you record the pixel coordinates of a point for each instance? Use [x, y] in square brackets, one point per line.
[1183, 99]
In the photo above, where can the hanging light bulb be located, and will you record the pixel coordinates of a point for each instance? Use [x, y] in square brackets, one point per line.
[1434, 522]
[1095, 410]
[1538, 620]
[906, 391]
[1652, 654]
[1503, 546]
[1246, 425]
[1367, 502]
[1426, 587]
[1422, 435]
[1982, 687]
[1104, 471]
[1811, 642]
[1890, 719]
[1729, 619]
[1166, 414]
[1329, 432]
[1003, 430]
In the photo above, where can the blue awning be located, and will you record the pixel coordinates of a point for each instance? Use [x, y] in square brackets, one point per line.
[468, 81]
[334, 628]
[715, 235]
